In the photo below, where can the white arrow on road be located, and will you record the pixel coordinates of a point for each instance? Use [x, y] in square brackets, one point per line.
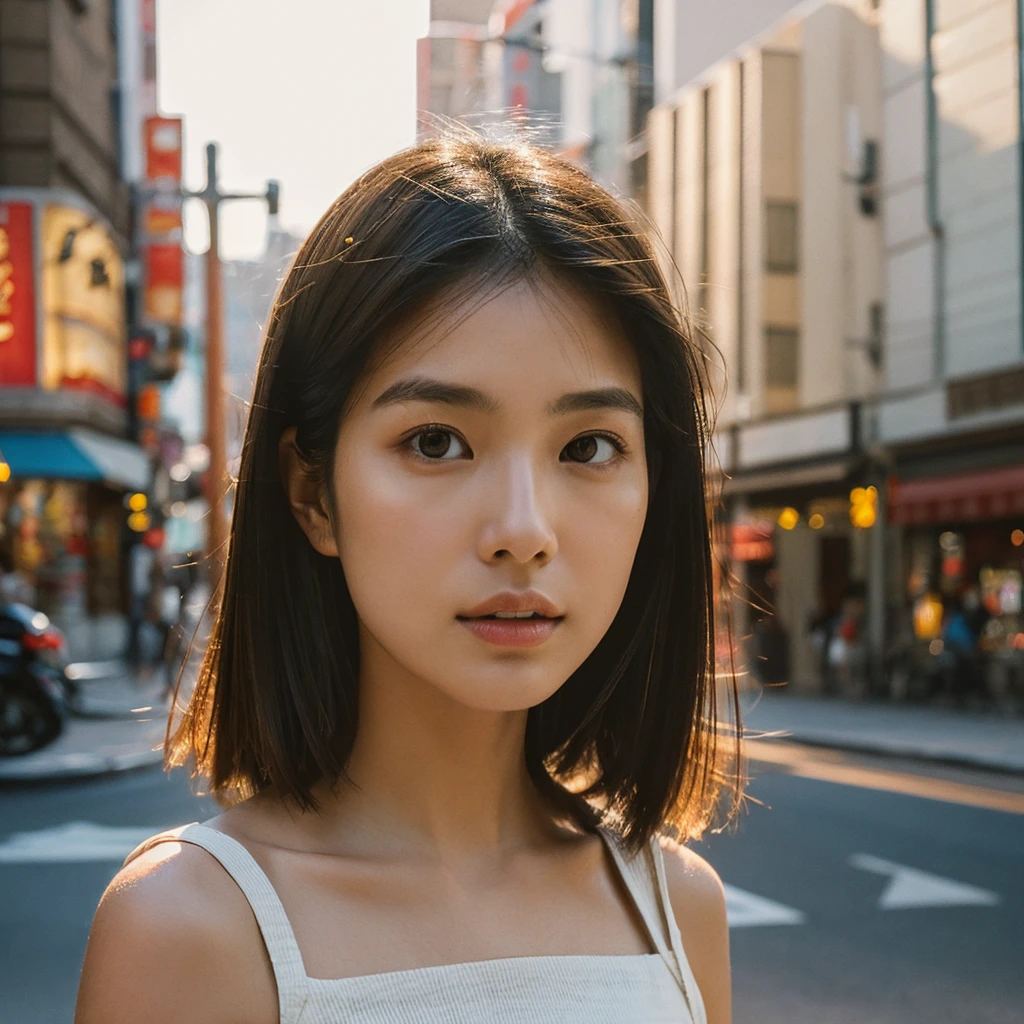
[745, 910]
[910, 887]
[75, 841]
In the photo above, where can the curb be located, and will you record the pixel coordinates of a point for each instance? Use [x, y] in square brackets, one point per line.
[909, 752]
[78, 766]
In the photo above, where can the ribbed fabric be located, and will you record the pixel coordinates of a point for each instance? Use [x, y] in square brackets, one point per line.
[647, 988]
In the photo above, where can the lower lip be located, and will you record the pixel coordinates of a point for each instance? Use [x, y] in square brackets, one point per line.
[512, 632]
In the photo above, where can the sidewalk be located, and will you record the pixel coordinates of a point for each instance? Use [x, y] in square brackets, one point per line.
[987, 740]
[124, 722]
[120, 722]
[121, 727]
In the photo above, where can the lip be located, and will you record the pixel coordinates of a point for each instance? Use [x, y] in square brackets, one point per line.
[515, 601]
[512, 632]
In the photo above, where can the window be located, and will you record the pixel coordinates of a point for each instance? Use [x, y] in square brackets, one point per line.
[781, 255]
[781, 356]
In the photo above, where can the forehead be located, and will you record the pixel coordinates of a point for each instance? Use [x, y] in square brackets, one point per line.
[543, 334]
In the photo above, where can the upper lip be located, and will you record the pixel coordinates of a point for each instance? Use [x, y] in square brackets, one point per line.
[514, 601]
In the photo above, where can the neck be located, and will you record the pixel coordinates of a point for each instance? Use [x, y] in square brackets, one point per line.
[432, 777]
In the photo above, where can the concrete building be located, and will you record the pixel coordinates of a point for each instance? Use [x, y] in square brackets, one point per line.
[950, 422]
[58, 75]
[250, 287]
[458, 66]
[752, 185]
[64, 389]
[576, 74]
[841, 197]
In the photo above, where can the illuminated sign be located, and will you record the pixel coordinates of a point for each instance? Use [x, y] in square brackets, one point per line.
[84, 341]
[17, 296]
[165, 282]
[163, 149]
[162, 257]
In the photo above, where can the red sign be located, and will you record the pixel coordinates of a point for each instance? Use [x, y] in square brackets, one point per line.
[163, 149]
[163, 217]
[17, 296]
[165, 280]
[752, 542]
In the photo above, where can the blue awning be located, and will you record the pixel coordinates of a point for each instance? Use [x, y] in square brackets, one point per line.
[75, 455]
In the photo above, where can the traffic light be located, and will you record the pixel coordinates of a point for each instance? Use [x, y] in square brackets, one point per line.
[273, 197]
[863, 507]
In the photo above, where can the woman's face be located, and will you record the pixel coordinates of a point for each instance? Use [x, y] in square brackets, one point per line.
[494, 463]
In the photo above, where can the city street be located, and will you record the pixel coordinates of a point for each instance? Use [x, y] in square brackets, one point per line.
[860, 890]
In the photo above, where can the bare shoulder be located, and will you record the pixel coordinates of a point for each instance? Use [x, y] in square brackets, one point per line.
[698, 904]
[174, 938]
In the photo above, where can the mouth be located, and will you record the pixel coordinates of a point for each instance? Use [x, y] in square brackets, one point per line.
[512, 629]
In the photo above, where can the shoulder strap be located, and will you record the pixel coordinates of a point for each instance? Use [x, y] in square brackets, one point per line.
[638, 873]
[690, 989]
[278, 937]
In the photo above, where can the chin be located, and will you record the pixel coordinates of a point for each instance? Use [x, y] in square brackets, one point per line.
[500, 690]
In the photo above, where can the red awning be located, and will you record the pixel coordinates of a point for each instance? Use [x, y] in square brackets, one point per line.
[958, 498]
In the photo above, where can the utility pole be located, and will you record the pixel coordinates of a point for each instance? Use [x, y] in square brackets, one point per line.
[216, 474]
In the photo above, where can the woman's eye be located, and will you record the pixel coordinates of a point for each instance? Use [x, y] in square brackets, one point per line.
[437, 444]
[592, 449]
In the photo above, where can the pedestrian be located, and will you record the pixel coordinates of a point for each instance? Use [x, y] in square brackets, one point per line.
[458, 699]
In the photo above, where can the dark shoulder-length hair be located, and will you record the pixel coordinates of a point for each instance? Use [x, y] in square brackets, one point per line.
[631, 736]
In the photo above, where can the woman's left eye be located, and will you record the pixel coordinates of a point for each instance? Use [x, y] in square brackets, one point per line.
[592, 450]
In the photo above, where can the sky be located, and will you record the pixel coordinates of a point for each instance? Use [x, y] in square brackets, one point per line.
[311, 92]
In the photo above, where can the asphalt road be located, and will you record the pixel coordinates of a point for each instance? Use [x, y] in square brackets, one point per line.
[859, 891]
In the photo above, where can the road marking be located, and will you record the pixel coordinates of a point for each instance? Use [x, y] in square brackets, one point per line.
[910, 887]
[836, 766]
[75, 841]
[745, 910]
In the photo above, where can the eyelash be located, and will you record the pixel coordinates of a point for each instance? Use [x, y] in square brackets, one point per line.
[620, 446]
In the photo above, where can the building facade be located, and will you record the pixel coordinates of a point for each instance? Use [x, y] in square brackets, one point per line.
[457, 65]
[950, 419]
[841, 197]
[64, 228]
[576, 75]
[72, 407]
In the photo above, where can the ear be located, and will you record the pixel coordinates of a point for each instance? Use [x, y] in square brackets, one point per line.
[305, 496]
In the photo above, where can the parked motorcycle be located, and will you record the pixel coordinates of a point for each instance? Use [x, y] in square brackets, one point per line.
[36, 694]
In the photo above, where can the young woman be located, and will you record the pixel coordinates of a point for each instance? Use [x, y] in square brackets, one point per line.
[460, 691]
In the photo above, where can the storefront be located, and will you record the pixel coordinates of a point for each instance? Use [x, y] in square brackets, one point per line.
[963, 566]
[66, 469]
[801, 565]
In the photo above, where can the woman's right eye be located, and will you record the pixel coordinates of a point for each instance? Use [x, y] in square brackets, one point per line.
[437, 444]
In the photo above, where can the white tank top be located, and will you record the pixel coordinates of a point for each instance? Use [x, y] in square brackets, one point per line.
[652, 988]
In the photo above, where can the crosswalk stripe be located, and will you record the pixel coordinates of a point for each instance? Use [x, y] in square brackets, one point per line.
[75, 841]
[745, 910]
[910, 887]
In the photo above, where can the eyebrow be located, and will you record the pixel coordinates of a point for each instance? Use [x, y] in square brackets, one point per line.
[426, 389]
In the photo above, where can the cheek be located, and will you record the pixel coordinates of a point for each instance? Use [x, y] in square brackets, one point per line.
[394, 540]
[601, 539]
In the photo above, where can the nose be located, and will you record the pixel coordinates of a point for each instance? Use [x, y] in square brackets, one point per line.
[517, 528]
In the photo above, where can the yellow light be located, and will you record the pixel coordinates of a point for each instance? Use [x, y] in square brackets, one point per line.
[138, 503]
[817, 521]
[863, 517]
[5, 472]
[139, 522]
[788, 518]
[1016, 538]
[864, 507]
